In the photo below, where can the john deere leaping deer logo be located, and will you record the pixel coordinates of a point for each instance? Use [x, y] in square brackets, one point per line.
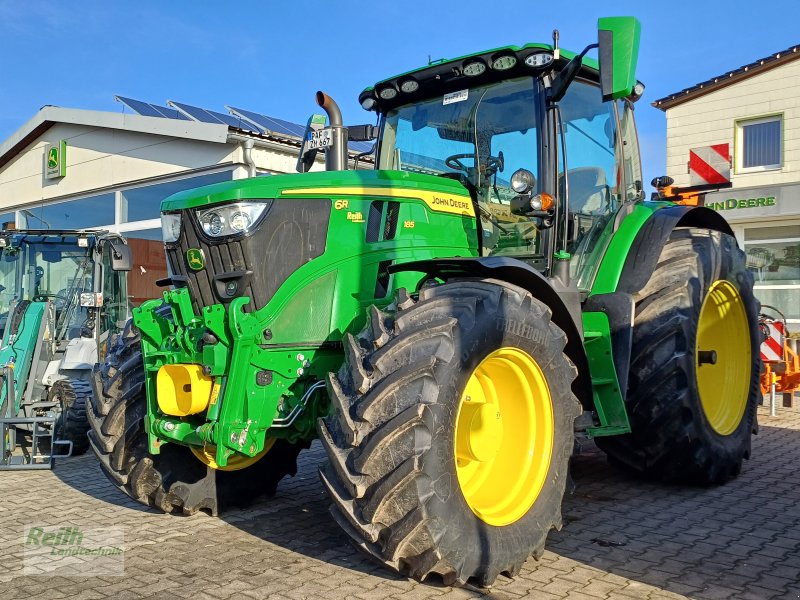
[52, 158]
[195, 259]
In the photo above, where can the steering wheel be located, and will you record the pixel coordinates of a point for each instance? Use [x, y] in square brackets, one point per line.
[59, 300]
[454, 162]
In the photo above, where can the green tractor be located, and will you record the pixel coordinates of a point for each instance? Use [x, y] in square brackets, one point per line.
[445, 323]
[62, 296]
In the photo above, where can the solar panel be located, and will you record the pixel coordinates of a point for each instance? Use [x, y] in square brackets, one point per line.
[151, 110]
[205, 115]
[360, 146]
[272, 124]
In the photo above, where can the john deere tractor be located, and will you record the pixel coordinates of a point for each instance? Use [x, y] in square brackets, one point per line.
[443, 323]
[62, 295]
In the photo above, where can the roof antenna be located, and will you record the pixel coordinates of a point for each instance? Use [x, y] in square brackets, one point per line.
[556, 50]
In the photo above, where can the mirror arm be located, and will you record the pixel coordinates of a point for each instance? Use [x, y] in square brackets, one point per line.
[567, 75]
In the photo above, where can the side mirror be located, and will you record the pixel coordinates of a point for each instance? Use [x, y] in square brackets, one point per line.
[121, 259]
[618, 40]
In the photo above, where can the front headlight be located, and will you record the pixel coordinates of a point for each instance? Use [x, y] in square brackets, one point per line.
[230, 219]
[171, 227]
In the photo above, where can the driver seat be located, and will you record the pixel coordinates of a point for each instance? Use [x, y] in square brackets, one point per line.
[588, 191]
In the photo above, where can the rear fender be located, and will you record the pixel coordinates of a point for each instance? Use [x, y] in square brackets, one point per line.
[646, 247]
[521, 275]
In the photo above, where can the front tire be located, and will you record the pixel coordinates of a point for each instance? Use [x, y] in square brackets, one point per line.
[694, 378]
[175, 480]
[451, 432]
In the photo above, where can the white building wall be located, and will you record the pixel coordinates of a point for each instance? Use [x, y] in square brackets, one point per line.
[710, 119]
[100, 158]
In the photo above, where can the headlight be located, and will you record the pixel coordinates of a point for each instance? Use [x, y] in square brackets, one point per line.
[171, 227]
[522, 181]
[230, 219]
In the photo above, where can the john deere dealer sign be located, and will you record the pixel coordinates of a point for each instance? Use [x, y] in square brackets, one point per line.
[747, 204]
[55, 160]
[735, 203]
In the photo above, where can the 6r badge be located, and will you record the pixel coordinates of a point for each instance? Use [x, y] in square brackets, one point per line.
[195, 259]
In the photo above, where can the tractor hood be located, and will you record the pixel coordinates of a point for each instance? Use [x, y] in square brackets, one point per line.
[325, 183]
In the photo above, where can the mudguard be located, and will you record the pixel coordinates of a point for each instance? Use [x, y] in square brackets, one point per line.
[520, 274]
[646, 248]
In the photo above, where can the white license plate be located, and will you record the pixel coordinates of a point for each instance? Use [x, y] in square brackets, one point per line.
[322, 138]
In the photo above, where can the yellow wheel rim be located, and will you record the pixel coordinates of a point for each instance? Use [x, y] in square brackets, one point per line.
[723, 357]
[208, 456]
[504, 436]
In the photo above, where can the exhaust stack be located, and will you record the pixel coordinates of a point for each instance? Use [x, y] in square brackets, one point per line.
[336, 155]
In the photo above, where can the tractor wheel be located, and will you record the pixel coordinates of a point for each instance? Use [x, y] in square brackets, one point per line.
[694, 376]
[176, 479]
[73, 396]
[451, 432]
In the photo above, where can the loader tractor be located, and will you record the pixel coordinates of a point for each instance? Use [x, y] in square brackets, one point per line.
[62, 295]
[445, 323]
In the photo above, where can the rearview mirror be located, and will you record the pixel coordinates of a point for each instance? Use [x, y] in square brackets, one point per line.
[121, 259]
[618, 40]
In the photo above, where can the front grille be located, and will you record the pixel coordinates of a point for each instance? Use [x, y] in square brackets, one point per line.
[292, 232]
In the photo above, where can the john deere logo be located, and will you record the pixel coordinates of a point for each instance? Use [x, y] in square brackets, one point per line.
[52, 158]
[195, 259]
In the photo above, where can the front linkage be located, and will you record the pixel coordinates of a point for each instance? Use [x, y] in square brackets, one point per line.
[213, 385]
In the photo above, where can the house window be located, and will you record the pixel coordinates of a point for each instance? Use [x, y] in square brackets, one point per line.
[759, 144]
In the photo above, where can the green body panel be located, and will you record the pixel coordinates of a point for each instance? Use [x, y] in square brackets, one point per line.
[608, 400]
[20, 352]
[296, 339]
[278, 185]
[610, 270]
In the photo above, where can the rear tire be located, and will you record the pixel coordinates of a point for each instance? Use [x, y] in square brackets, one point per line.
[673, 435]
[173, 480]
[73, 396]
[395, 472]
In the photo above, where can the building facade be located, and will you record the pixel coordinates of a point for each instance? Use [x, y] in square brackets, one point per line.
[78, 169]
[755, 112]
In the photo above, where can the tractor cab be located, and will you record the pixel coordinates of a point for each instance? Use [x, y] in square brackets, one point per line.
[62, 295]
[71, 269]
[543, 140]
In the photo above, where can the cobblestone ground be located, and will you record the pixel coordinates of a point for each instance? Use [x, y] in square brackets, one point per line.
[622, 538]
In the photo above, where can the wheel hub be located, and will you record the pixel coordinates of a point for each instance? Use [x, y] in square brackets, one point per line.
[481, 433]
[723, 357]
[504, 436]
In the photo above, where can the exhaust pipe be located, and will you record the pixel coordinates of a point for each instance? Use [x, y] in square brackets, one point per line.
[336, 155]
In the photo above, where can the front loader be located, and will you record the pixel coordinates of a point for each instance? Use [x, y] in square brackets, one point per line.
[443, 323]
[62, 295]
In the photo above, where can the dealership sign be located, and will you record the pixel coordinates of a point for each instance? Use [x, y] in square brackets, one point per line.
[735, 203]
[55, 160]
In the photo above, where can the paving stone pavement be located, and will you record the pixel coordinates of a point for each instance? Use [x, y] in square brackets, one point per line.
[623, 538]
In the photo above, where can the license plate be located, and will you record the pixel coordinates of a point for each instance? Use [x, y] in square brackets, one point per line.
[319, 139]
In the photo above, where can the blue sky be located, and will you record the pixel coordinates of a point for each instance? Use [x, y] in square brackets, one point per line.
[272, 56]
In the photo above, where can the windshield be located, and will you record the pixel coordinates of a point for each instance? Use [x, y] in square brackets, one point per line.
[32, 270]
[480, 135]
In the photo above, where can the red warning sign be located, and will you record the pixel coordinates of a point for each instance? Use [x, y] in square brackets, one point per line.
[709, 165]
[772, 346]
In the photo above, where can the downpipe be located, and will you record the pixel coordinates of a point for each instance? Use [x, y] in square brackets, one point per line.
[336, 155]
